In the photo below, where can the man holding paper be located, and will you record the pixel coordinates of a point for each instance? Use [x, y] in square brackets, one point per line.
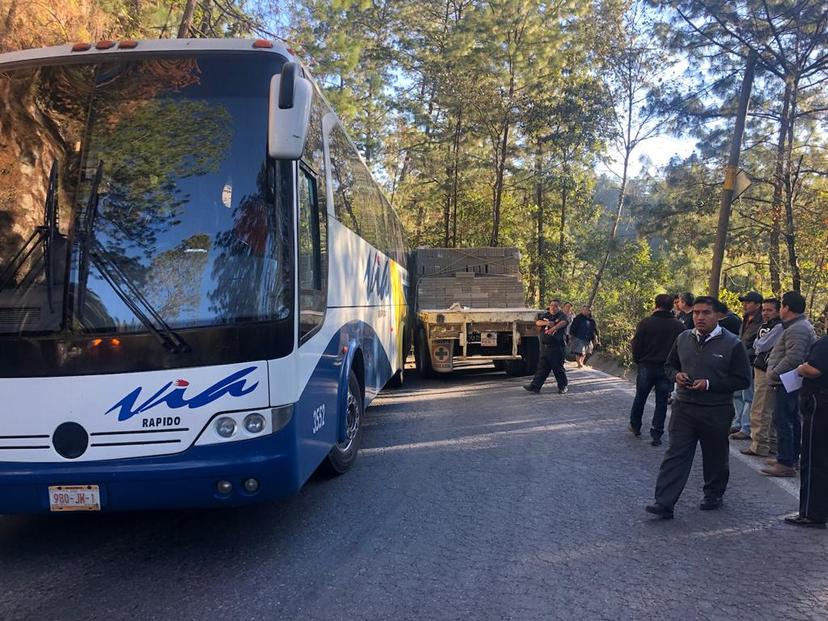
[789, 352]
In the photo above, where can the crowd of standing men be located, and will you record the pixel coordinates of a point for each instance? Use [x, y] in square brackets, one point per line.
[762, 378]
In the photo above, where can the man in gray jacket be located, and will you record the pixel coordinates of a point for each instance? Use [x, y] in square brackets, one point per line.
[789, 352]
[709, 364]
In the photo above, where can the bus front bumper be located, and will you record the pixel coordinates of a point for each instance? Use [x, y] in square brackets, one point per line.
[186, 479]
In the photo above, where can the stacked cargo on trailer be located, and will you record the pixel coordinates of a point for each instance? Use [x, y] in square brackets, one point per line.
[471, 309]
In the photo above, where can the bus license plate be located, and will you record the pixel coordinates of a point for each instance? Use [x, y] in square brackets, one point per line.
[74, 498]
[488, 339]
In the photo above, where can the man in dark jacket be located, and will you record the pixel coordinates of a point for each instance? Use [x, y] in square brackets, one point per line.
[709, 364]
[685, 309]
[553, 325]
[654, 337]
[813, 403]
[743, 399]
[583, 334]
[727, 318]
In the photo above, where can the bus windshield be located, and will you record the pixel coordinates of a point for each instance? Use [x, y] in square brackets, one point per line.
[136, 196]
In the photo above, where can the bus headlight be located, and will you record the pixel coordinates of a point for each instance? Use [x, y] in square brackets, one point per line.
[226, 427]
[254, 423]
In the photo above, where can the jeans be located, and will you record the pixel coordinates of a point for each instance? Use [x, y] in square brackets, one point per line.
[742, 402]
[649, 377]
[788, 426]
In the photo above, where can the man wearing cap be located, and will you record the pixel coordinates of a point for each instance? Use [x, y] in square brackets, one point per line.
[743, 399]
[790, 351]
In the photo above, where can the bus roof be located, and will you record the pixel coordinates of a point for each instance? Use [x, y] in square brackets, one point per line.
[141, 47]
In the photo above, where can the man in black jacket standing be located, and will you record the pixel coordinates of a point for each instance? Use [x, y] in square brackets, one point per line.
[654, 337]
[709, 364]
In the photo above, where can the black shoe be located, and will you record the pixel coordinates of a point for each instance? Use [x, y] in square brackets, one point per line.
[531, 388]
[635, 432]
[660, 510]
[801, 520]
[563, 391]
[656, 441]
[709, 504]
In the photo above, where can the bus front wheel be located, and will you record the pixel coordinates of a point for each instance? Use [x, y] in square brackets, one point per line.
[343, 454]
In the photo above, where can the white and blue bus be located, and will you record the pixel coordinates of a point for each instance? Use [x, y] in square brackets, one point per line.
[201, 286]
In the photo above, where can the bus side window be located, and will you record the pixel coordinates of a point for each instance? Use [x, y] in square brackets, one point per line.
[313, 256]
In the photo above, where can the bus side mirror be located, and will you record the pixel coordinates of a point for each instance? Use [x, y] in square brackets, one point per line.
[289, 113]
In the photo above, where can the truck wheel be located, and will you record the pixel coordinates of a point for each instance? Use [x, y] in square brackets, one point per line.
[531, 355]
[343, 454]
[422, 356]
[515, 368]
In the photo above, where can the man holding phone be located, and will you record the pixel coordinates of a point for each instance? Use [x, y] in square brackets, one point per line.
[708, 364]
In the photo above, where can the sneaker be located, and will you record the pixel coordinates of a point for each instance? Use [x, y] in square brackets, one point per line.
[740, 435]
[531, 388]
[635, 432]
[772, 461]
[563, 391]
[665, 513]
[655, 442]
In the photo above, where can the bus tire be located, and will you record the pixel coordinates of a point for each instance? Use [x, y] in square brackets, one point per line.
[343, 454]
[422, 356]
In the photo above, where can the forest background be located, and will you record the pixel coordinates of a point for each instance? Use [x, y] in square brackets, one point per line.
[523, 123]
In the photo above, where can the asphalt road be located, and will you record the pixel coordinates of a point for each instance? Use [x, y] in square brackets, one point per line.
[471, 499]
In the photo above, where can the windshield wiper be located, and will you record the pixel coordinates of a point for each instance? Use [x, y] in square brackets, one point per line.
[92, 251]
[43, 235]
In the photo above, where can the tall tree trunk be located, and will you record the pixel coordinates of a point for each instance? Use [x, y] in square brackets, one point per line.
[6, 27]
[500, 164]
[455, 181]
[541, 257]
[562, 228]
[788, 178]
[204, 26]
[186, 20]
[776, 204]
[614, 230]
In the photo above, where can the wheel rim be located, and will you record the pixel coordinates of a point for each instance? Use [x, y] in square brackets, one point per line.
[352, 415]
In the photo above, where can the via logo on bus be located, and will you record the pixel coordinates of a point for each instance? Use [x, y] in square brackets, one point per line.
[172, 394]
[377, 276]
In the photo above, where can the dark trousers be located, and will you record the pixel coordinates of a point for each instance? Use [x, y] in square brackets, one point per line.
[651, 376]
[689, 425]
[788, 426]
[813, 490]
[551, 359]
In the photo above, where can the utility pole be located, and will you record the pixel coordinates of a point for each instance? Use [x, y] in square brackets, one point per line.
[731, 171]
